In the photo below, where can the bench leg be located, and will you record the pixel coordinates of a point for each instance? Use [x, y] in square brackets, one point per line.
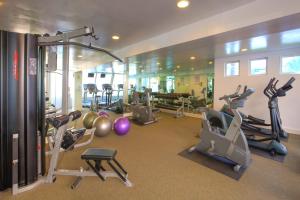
[98, 165]
[95, 170]
[117, 172]
[120, 166]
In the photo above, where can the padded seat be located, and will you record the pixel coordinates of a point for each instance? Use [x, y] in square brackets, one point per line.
[99, 154]
[94, 156]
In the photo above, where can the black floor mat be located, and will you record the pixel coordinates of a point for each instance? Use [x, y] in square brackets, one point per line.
[213, 164]
[266, 154]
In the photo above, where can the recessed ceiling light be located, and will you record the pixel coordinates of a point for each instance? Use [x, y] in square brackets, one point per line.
[183, 3]
[245, 49]
[178, 66]
[192, 57]
[115, 37]
[210, 62]
[79, 56]
[158, 63]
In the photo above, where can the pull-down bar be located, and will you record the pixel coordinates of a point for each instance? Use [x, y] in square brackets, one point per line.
[63, 38]
[81, 45]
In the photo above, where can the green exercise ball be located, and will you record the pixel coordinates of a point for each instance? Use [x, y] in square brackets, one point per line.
[88, 119]
[103, 126]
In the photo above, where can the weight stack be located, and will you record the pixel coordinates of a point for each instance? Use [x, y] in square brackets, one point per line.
[19, 106]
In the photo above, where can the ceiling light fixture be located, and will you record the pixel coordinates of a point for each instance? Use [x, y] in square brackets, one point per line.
[178, 66]
[192, 57]
[79, 56]
[183, 4]
[245, 49]
[210, 62]
[158, 63]
[192, 68]
[115, 37]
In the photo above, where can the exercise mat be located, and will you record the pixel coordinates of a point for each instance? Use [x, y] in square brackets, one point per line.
[266, 154]
[212, 163]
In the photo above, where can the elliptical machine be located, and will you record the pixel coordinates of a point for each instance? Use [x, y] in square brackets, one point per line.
[143, 114]
[269, 139]
[254, 124]
[272, 143]
[231, 145]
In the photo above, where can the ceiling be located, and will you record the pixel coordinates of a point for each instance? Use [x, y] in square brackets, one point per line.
[133, 20]
[273, 35]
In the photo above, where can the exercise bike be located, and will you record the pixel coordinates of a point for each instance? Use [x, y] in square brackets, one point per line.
[230, 145]
[143, 113]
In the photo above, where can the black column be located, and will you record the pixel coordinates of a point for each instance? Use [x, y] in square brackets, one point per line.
[19, 107]
[31, 108]
[4, 168]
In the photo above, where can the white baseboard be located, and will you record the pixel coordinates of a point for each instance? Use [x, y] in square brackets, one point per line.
[292, 131]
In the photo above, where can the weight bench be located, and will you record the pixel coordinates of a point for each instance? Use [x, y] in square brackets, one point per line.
[94, 157]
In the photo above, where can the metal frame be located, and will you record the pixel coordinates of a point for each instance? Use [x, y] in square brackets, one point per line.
[46, 40]
[53, 169]
[63, 38]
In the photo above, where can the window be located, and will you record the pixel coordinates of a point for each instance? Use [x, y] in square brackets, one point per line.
[145, 82]
[132, 69]
[118, 67]
[232, 68]
[290, 65]
[154, 84]
[170, 84]
[258, 66]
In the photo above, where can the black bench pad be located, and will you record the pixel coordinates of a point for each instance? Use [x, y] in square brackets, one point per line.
[98, 154]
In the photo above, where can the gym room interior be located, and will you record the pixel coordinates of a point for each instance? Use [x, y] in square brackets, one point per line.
[149, 99]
